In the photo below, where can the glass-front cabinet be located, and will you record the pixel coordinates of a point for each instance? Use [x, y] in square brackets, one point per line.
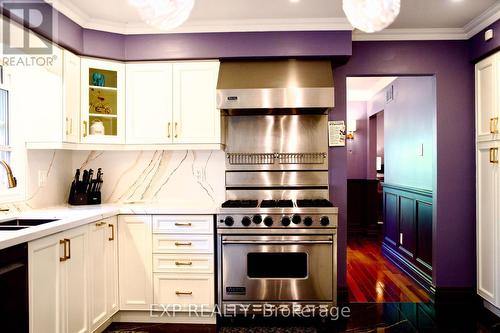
[103, 101]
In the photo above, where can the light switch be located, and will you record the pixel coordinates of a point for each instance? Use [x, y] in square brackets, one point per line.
[420, 151]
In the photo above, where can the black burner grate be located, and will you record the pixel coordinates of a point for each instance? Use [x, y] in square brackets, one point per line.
[240, 204]
[314, 203]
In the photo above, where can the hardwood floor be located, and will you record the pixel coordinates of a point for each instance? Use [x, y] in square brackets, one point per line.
[372, 278]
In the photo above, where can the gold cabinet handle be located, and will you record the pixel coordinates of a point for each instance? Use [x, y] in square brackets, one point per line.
[176, 133]
[494, 155]
[69, 248]
[183, 243]
[177, 224]
[84, 128]
[178, 293]
[67, 126]
[183, 263]
[112, 232]
[494, 125]
[169, 129]
[100, 224]
[63, 242]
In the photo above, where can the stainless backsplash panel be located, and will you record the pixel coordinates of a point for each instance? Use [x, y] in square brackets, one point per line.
[305, 134]
[266, 179]
[276, 194]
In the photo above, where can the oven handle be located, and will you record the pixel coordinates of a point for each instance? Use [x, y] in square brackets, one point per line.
[277, 242]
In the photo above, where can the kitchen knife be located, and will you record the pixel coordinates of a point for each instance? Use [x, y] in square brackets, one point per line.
[89, 185]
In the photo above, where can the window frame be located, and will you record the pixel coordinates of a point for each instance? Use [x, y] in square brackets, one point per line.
[15, 146]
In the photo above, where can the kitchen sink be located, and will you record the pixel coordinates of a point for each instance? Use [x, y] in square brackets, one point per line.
[18, 224]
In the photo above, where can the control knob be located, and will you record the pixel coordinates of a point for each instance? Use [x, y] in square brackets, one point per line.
[285, 221]
[308, 221]
[257, 219]
[246, 221]
[268, 221]
[229, 221]
[296, 219]
[324, 221]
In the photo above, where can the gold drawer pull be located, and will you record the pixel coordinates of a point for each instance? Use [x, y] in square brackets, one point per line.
[178, 293]
[494, 125]
[112, 232]
[183, 243]
[183, 263]
[63, 242]
[169, 130]
[100, 224]
[183, 224]
[493, 155]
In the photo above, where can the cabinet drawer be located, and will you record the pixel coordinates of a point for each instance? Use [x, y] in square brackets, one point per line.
[183, 243]
[183, 263]
[183, 289]
[183, 224]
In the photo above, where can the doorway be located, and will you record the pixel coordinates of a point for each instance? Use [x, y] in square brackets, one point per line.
[391, 145]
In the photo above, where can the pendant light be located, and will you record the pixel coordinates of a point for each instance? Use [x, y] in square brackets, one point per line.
[164, 14]
[371, 15]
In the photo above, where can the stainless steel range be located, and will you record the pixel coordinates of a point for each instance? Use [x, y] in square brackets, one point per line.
[276, 234]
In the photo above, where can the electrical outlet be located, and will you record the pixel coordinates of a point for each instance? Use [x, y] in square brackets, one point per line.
[42, 178]
[198, 173]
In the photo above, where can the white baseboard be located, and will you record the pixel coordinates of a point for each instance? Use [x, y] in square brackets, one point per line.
[492, 308]
[145, 317]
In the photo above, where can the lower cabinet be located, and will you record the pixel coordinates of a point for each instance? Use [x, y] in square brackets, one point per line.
[135, 260]
[103, 271]
[73, 279]
[58, 297]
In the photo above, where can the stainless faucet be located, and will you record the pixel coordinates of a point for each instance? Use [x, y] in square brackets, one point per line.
[10, 176]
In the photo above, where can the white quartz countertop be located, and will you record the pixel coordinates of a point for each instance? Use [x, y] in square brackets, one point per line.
[74, 216]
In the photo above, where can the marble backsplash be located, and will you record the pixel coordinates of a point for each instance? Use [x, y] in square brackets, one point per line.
[170, 178]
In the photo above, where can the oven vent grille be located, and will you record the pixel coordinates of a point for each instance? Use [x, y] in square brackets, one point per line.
[250, 158]
[270, 158]
[301, 158]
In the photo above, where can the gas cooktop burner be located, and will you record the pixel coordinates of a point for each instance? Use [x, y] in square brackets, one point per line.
[302, 203]
[276, 203]
[314, 203]
[240, 204]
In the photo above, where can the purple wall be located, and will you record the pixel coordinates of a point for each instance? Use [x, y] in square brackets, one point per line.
[479, 48]
[357, 148]
[455, 189]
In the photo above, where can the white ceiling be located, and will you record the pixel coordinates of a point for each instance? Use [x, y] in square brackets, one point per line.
[267, 15]
[362, 89]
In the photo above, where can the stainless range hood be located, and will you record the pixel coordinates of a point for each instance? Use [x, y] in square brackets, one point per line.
[275, 85]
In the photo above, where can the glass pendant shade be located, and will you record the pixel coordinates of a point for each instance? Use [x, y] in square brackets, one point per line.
[371, 15]
[164, 14]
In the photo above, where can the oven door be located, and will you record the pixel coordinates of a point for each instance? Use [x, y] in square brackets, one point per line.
[277, 268]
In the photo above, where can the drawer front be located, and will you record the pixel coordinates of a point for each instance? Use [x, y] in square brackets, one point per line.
[183, 289]
[183, 263]
[183, 243]
[183, 224]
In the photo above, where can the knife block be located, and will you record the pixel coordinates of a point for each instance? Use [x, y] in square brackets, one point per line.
[78, 199]
[86, 191]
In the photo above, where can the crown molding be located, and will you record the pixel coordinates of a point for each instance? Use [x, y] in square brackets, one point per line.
[490, 16]
[411, 34]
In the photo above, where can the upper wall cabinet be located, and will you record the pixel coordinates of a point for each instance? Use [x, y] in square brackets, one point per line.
[487, 92]
[103, 101]
[196, 118]
[149, 103]
[71, 97]
[173, 103]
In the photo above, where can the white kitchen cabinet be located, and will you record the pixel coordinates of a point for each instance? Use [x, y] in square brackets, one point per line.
[71, 97]
[196, 117]
[487, 95]
[103, 271]
[135, 262]
[36, 99]
[184, 289]
[58, 298]
[149, 103]
[488, 246]
[488, 180]
[102, 101]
